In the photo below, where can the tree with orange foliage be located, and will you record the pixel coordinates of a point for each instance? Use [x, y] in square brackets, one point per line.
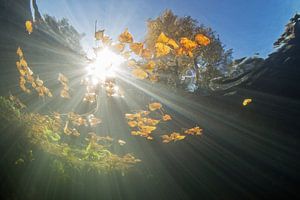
[204, 59]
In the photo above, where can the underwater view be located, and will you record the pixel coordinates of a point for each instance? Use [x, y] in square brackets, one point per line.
[141, 99]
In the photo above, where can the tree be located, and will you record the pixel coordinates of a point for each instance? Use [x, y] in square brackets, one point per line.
[207, 60]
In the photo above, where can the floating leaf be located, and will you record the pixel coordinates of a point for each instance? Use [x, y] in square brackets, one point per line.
[130, 116]
[131, 63]
[139, 73]
[167, 117]
[135, 132]
[19, 52]
[126, 37]
[150, 66]
[137, 47]
[132, 123]
[153, 78]
[147, 129]
[121, 142]
[119, 47]
[28, 25]
[194, 131]
[99, 34]
[173, 137]
[154, 106]
[146, 53]
[150, 121]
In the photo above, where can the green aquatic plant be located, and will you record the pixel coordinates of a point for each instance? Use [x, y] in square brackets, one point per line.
[44, 133]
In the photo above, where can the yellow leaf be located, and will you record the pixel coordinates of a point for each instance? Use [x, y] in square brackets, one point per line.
[246, 102]
[202, 39]
[153, 78]
[147, 129]
[19, 52]
[150, 65]
[23, 62]
[139, 73]
[194, 131]
[126, 37]
[161, 49]
[149, 121]
[173, 137]
[154, 106]
[162, 38]
[188, 44]
[135, 132]
[28, 25]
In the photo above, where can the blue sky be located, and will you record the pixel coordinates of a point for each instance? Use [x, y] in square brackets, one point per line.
[247, 26]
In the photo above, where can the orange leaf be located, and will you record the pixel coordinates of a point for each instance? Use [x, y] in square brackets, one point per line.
[162, 38]
[126, 37]
[137, 47]
[19, 52]
[167, 117]
[132, 123]
[146, 53]
[188, 44]
[139, 73]
[154, 106]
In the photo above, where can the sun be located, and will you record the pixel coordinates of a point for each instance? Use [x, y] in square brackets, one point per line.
[104, 65]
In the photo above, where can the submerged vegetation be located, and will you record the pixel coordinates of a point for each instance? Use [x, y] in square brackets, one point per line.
[44, 133]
